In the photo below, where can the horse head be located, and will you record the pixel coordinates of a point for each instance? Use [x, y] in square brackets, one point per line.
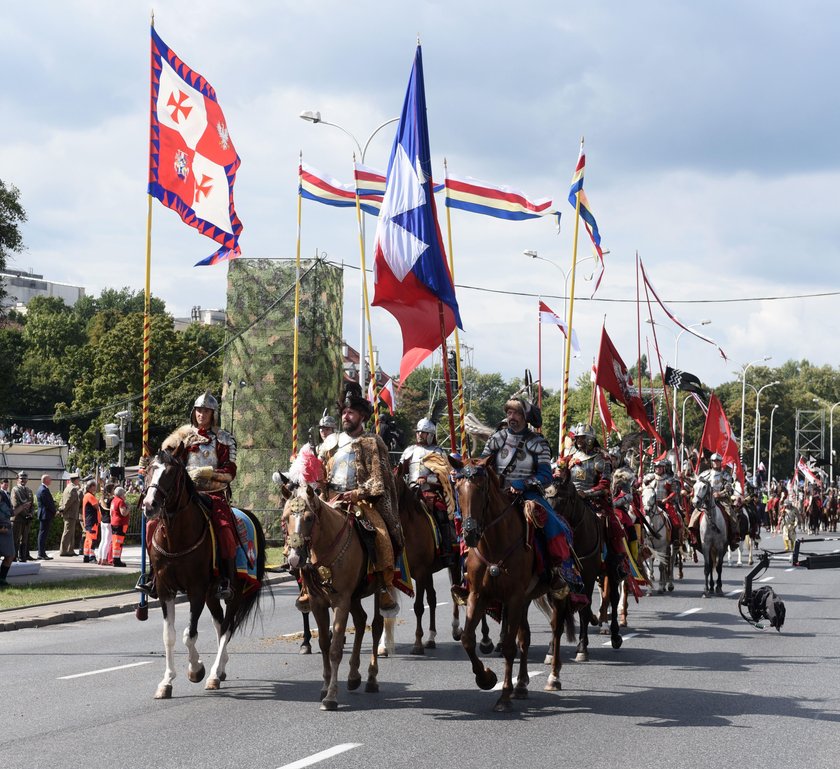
[298, 520]
[701, 493]
[478, 488]
[168, 480]
[649, 505]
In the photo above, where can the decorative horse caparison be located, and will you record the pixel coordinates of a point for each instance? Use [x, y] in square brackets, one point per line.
[323, 544]
[181, 557]
[713, 539]
[500, 568]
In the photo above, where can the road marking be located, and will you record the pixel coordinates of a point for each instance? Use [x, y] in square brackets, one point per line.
[104, 670]
[792, 568]
[690, 611]
[623, 638]
[498, 686]
[442, 603]
[322, 756]
[735, 592]
[767, 578]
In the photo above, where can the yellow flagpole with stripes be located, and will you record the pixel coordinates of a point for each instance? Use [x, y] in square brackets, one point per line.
[147, 334]
[461, 407]
[295, 343]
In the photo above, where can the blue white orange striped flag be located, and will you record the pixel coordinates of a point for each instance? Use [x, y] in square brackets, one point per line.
[314, 185]
[494, 200]
[576, 192]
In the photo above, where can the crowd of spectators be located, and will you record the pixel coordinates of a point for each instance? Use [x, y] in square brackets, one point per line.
[28, 435]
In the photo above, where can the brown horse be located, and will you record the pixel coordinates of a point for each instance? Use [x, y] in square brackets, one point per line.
[322, 542]
[181, 556]
[500, 569]
[588, 539]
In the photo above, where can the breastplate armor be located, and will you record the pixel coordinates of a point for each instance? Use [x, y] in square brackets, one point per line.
[343, 476]
[586, 470]
[517, 464]
[205, 455]
[418, 472]
[664, 487]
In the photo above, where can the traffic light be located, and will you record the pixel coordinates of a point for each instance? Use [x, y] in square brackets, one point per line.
[111, 433]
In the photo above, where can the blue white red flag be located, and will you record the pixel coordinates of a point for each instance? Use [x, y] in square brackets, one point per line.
[314, 185]
[192, 161]
[410, 273]
[576, 192]
[492, 200]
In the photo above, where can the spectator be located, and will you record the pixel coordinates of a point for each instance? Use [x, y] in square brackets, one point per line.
[90, 515]
[7, 543]
[70, 509]
[22, 503]
[46, 513]
[119, 524]
[103, 552]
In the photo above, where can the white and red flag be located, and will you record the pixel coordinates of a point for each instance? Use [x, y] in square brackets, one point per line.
[547, 315]
[192, 161]
[386, 394]
[806, 472]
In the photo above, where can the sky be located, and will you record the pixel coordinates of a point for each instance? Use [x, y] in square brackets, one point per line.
[712, 137]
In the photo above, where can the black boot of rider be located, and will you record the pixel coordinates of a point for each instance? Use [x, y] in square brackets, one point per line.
[224, 592]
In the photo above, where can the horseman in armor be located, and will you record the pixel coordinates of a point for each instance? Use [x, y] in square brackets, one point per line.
[211, 463]
[359, 477]
[591, 474]
[667, 493]
[720, 480]
[415, 466]
[522, 459]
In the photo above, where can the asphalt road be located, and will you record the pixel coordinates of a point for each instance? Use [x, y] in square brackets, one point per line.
[692, 686]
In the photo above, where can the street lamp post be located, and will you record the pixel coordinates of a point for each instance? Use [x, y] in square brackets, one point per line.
[770, 449]
[743, 395]
[831, 444]
[313, 116]
[757, 442]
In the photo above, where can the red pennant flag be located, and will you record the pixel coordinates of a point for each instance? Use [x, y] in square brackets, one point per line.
[719, 437]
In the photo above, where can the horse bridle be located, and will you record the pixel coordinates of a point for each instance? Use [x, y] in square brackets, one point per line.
[297, 507]
[165, 493]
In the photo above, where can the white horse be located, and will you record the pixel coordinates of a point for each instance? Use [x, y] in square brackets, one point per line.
[713, 540]
[659, 540]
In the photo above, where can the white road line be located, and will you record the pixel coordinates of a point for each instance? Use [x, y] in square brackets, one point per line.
[767, 578]
[322, 756]
[442, 603]
[735, 592]
[498, 686]
[104, 670]
[623, 638]
[792, 568]
[690, 611]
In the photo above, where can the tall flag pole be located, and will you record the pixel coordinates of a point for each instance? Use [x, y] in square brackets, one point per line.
[462, 412]
[374, 385]
[296, 329]
[574, 199]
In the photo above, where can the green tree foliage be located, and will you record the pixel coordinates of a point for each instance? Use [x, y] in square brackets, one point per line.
[12, 215]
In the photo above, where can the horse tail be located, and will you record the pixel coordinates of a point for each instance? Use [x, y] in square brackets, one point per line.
[570, 627]
[248, 607]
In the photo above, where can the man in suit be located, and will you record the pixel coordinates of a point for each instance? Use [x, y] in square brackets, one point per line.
[46, 513]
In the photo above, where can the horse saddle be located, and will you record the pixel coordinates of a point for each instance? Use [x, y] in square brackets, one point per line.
[367, 535]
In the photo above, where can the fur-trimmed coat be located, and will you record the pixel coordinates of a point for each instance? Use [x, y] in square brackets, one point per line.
[224, 466]
[374, 478]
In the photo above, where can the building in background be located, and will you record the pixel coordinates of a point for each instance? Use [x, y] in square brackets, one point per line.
[21, 287]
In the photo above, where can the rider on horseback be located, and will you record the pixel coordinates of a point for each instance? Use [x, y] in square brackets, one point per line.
[211, 463]
[667, 488]
[417, 473]
[522, 459]
[359, 475]
[591, 473]
[721, 482]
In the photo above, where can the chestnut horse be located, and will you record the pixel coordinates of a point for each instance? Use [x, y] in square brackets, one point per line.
[333, 563]
[501, 570]
[181, 557]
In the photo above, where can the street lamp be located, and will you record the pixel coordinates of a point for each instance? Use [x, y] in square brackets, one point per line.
[314, 116]
[757, 442]
[743, 395]
[770, 450]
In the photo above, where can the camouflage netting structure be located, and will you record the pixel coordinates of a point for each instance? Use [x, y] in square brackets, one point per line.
[257, 390]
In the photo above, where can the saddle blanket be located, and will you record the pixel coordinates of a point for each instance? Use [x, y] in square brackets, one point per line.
[246, 553]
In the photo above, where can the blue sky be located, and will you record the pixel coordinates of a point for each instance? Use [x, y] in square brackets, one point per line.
[711, 134]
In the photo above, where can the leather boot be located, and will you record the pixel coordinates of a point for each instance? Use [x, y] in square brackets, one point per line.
[147, 586]
[302, 601]
[388, 607]
[224, 592]
[558, 587]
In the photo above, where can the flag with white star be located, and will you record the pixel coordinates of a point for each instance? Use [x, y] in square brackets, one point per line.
[411, 277]
[192, 161]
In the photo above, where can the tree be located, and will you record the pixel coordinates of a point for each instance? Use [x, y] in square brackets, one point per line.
[12, 216]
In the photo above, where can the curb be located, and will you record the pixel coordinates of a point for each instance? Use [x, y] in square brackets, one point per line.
[44, 615]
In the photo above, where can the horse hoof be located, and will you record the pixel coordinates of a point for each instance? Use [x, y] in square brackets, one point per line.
[582, 657]
[520, 693]
[486, 647]
[718, 591]
[604, 631]
[616, 641]
[670, 587]
[305, 649]
[622, 621]
[222, 676]
[196, 675]
[329, 705]
[553, 685]
[382, 651]
[353, 684]
[503, 706]
[431, 645]
[212, 685]
[418, 650]
[372, 687]
[549, 659]
[456, 634]
[486, 680]
[164, 692]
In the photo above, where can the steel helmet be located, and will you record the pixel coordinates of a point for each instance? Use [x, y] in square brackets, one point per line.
[328, 421]
[661, 463]
[716, 458]
[204, 401]
[583, 430]
[426, 426]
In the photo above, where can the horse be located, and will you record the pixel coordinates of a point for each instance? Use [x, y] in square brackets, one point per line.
[424, 562]
[588, 538]
[500, 569]
[749, 532]
[713, 539]
[662, 545]
[181, 557]
[333, 564]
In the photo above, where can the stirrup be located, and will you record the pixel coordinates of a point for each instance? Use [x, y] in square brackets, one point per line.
[147, 586]
[224, 592]
[460, 594]
[392, 608]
